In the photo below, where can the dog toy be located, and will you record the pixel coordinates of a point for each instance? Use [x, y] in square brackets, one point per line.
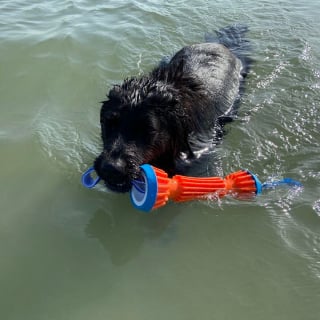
[154, 188]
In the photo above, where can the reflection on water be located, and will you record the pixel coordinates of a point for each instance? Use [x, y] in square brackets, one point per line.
[123, 236]
[72, 253]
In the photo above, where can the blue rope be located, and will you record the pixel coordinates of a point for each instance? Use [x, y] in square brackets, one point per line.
[286, 181]
[139, 185]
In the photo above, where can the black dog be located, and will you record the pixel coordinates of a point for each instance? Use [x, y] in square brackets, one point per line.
[153, 119]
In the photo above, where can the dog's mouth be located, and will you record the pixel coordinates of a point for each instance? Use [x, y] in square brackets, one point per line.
[117, 175]
[120, 187]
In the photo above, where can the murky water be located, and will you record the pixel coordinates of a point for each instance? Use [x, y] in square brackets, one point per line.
[72, 253]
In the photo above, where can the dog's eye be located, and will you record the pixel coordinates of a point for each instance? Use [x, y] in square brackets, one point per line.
[111, 121]
[137, 130]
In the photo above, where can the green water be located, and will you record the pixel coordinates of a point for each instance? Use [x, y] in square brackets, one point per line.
[72, 253]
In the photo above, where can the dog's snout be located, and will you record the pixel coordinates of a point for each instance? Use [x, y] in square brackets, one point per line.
[115, 168]
[114, 172]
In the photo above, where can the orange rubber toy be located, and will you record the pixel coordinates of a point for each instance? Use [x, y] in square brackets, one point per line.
[154, 188]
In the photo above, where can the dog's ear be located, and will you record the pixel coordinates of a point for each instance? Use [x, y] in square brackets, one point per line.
[163, 96]
[177, 71]
[115, 93]
[176, 74]
[183, 80]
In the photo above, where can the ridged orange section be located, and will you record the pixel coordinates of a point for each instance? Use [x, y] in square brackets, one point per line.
[181, 188]
[193, 187]
[163, 188]
[240, 182]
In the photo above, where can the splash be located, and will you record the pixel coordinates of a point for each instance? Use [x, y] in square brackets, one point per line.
[316, 207]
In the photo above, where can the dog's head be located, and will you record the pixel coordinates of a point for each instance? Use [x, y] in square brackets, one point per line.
[138, 125]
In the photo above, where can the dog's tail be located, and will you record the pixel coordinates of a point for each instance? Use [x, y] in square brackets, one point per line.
[234, 38]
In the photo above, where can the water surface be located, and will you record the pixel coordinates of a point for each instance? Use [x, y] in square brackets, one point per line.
[72, 253]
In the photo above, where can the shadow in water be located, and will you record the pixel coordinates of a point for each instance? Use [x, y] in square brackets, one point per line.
[122, 232]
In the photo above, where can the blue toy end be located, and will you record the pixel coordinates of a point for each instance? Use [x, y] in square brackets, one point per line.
[87, 180]
[144, 191]
[257, 182]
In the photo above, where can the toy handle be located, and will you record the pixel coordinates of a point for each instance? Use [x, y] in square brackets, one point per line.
[286, 181]
[87, 180]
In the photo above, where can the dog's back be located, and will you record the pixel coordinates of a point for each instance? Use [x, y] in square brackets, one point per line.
[214, 71]
[219, 71]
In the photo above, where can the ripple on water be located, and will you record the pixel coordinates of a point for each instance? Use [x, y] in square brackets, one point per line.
[316, 207]
[298, 233]
[66, 142]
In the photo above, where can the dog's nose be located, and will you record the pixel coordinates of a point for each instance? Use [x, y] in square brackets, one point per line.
[114, 171]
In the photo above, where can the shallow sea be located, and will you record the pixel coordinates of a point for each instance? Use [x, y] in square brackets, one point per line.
[72, 253]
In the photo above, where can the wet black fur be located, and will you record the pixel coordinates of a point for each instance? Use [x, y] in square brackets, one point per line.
[153, 119]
